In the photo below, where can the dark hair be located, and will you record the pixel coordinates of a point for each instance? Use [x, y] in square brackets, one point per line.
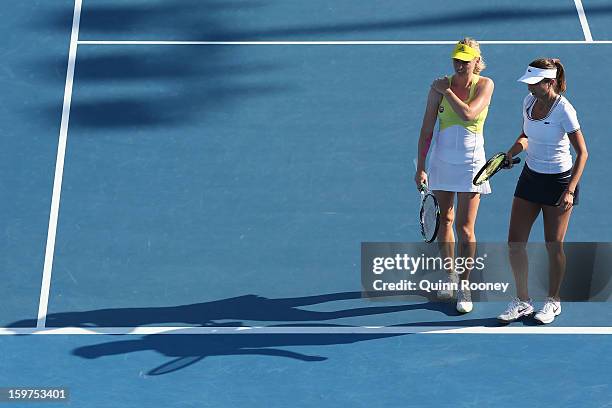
[552, 63]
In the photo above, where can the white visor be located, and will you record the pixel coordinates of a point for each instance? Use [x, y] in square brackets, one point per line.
[534, 75]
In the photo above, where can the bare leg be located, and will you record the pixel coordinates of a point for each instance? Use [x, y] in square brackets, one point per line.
[556, 221]
[524, 214]
[467, 208]
[446, 237]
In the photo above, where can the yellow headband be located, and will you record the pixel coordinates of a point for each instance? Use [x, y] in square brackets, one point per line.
[464, 52]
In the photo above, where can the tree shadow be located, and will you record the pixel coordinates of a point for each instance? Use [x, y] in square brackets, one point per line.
[481, 17]
[151, 86]
[200, 27]
[161, 86]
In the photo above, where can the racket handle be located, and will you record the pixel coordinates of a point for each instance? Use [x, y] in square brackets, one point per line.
[515, 160]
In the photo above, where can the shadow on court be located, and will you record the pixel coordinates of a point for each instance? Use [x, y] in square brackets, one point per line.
[187, 349]
[197, 22]
[232, 312]
[480, 322]
[151, 86]
[481, 17]
[147, 87]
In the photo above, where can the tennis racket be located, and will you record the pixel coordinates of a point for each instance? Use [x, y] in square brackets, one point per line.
[492, 166]
[429, 214]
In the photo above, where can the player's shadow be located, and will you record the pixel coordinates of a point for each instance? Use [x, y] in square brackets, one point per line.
[186, 350]
[479, 322]
[233, 312]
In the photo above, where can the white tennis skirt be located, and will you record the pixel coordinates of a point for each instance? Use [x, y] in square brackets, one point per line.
[456, 156]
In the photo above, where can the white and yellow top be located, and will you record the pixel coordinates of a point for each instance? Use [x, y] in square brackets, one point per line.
[448, 117]
[458, 149]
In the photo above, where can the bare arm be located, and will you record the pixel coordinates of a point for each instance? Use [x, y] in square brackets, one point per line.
[577, 140]
[519, 146]
[426, 135]
[427, 128]
[467, 111]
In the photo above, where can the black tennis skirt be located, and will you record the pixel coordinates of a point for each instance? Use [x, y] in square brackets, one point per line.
[543, 188]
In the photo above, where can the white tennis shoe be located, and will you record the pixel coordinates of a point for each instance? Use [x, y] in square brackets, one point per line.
[464, 301]
[516, 309]
[550, 310]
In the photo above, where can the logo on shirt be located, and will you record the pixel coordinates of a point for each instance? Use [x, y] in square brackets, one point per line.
[441, 109]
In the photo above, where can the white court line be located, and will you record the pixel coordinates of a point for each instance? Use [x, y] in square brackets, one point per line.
[170, 330]
[59, 169]
[509, 42]
[583, 21]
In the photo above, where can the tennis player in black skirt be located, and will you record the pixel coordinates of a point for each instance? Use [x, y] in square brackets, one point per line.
[547, 184]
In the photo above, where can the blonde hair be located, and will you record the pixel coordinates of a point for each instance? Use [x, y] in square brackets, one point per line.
[470, 42]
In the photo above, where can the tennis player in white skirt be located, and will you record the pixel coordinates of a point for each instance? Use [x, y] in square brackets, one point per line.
[460, 103]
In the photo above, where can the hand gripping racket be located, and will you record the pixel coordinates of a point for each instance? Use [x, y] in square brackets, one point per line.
[492, 166]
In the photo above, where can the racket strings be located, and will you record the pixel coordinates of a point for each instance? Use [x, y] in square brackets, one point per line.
[491, 169]
[429, 217]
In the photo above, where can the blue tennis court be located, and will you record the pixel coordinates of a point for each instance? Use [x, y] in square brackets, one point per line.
[186, 186]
